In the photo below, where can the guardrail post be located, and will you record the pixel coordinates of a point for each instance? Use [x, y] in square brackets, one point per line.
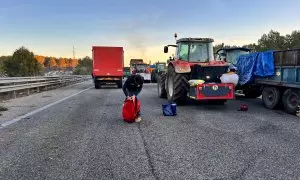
[14, 94]
[28, 90]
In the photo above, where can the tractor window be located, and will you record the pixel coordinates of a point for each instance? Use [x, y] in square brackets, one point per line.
[199, 52]
[161, 67]
[232, 56]
[141, 68]
[221, 55]
[183, 51]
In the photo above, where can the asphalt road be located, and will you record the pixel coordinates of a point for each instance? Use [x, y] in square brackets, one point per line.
[84, 137]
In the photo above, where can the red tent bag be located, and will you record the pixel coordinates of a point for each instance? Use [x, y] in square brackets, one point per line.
[130, 109]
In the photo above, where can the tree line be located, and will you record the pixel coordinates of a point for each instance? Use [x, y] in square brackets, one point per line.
[24, 63]
[84, 66]
[271, 41]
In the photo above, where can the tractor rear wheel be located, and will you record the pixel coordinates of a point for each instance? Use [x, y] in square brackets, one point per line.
[177, 86]
[161, 86]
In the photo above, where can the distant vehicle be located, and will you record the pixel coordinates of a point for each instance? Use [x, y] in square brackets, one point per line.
[108, 64]
[141, 68]
[135, 61]
[158, 68]
[230, 55]
[126, 72]
[194, 61]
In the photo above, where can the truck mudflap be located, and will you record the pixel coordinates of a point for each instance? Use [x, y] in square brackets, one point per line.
[214, 91]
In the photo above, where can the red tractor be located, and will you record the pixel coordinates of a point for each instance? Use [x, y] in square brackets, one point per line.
[194, 60]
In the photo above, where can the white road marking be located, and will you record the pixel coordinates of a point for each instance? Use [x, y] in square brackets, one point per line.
[40, 109]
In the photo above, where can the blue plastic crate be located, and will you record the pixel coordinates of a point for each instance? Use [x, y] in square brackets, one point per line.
[169, 109]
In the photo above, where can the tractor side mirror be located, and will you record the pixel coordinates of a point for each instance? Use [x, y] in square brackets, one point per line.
[166, 49]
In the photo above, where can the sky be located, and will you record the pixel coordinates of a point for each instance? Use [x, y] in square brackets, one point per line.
[142, 27]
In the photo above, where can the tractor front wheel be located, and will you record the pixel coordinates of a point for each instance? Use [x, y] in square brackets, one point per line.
[177, 86]
[161, 86]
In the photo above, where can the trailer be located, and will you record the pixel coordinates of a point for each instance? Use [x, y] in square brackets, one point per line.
[108, 64]
[273, 74]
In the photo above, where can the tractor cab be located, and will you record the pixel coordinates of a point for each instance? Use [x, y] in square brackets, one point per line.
[193, 50]
[160, 67]
[230, 55]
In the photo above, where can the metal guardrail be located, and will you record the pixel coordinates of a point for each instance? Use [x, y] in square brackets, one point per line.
[14, 84]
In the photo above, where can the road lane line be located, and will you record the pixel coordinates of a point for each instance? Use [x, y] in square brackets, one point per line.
[40, 109]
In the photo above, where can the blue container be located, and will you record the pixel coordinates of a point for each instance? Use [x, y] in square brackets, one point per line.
[169, 109]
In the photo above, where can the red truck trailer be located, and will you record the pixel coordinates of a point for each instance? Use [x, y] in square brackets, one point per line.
[108, 65]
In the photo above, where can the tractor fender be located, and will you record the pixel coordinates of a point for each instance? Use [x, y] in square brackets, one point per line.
[180, 66]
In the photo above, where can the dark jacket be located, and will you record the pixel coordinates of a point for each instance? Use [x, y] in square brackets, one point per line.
[133, 85]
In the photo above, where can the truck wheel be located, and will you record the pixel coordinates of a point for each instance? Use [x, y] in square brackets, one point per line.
[270, 97]
[161, 82]
[291, 100]
[252, 93]
[177, 86]
[119, 84]
[153, 80]
[97, 84]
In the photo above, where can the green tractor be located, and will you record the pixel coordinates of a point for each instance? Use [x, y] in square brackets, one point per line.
[126, 72]
[159, 68]
[230, 55]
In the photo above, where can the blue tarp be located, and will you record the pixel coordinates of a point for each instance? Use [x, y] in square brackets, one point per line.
[253, 65]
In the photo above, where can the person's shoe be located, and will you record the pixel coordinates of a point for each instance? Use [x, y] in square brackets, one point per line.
[138, 119]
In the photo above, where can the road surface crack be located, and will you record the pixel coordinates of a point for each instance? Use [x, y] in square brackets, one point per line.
[249, 165]
[150, 161]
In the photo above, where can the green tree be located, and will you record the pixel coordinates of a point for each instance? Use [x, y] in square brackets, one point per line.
[293, 40]
[252, 46]
[84, 66]
[272, 41]
[2, 61]
[217, 47]
[22, 63]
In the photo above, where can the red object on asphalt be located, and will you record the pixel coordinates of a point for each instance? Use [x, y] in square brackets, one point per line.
[130, 110]
[244, 107]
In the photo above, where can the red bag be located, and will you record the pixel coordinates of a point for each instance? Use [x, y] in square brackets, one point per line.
[130, 109]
